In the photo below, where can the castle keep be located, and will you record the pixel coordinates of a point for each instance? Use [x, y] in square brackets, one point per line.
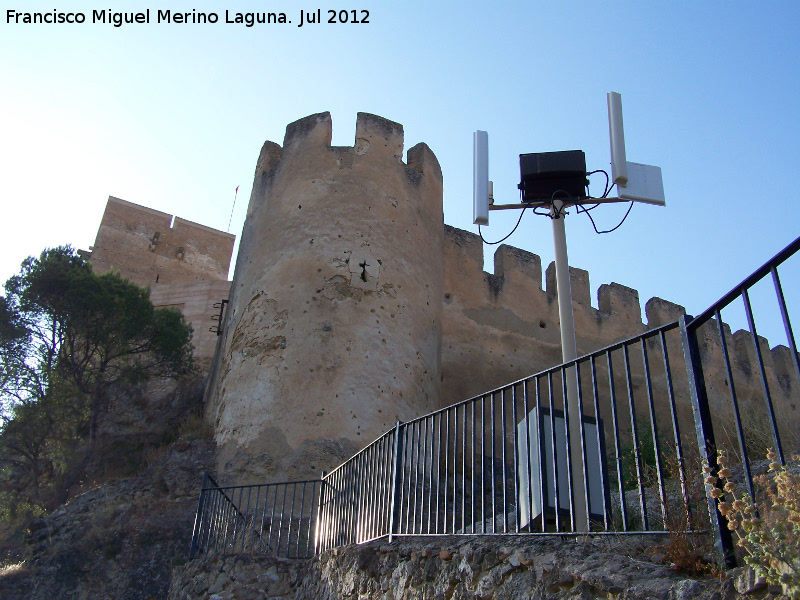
[353, 306]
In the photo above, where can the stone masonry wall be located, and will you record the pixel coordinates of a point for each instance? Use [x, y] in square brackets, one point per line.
[464, 568]
[185, 264]
[501, 326]
[333, 329]
[149, 247]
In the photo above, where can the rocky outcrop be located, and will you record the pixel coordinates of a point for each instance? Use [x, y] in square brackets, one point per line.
[119, 540]
[462, 568]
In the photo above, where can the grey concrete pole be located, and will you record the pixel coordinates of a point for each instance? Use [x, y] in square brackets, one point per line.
[569, 351]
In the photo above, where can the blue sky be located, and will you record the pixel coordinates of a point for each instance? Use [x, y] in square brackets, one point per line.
[173, 117]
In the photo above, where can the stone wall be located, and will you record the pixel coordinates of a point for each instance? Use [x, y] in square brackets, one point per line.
[463, 568]
[501, 326]
[196, 301]
[185, 264]
[333, 330]
[150, 247]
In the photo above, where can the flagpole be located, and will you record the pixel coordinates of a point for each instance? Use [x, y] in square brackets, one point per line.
[235, 194]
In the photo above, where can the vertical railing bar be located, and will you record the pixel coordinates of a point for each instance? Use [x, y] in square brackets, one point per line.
[237, 519]
[425, 524]
[554, 450]
[272, 519]
[247, 518]
[198, 518]
[617, 449]
[300, 520]
[735, 405]
[311, 513]
[234, 516]
[408, 446]
[447, 470]
[338, 500]
[225, 513]
[253, 536]
[227, 526]
[291, 518]
[367, 507]
[568, 439]
[280, 526]
[503, 456]
[207, 532]
[599, 433]
[355, 480]
[380, 487]
[483, 465]
[246, 513]
[767, 396]
[493, 516]
[413, 476]
[637, 452]
[676, 430]
[211, 520]
[584, 472]
[395, 473]
[787, 325]
[424, 425]
[263, 518]
[455, 467]
[323, 514]
[653, 425]
[528, 451]
[212, 530]
[431, 454]
[439, 471]
[705, 437]
[542, 475]
[516, 457]
[464, 468]
[472, 463]
[345, 527]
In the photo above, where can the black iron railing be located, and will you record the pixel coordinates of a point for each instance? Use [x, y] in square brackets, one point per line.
[718, 409]
[276, 519]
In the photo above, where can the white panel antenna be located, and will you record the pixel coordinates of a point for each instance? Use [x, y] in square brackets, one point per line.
[644, 184]
[619, 171]
[480, 178]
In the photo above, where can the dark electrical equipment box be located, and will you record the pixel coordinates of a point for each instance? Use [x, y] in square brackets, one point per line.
[548, 175]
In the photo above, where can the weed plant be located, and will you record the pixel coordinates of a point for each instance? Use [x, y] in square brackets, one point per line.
[768, 530]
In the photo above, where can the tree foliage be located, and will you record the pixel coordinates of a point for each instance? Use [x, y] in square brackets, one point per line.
[67, 336]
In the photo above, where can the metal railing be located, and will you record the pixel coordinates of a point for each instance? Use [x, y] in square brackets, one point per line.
[276, 519]
[465, 469]
[498, 463]
[707, 341]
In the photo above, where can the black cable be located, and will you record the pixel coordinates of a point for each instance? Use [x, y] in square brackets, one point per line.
[508, 236]
[608, 230]
[605, 189]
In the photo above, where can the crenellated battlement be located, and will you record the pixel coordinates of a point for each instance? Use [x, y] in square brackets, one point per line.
[515, 318]
[378, 146]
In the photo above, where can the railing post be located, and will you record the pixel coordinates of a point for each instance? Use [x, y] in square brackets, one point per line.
[396, 489]
[705, 437]
[198, 516]
[318, 533]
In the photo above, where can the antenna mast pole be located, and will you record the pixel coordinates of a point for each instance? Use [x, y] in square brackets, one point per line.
[569, 351]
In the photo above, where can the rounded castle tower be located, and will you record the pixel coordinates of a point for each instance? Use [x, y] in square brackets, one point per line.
[333, 327]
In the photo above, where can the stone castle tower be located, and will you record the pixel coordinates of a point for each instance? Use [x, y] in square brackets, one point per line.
[333, 327]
